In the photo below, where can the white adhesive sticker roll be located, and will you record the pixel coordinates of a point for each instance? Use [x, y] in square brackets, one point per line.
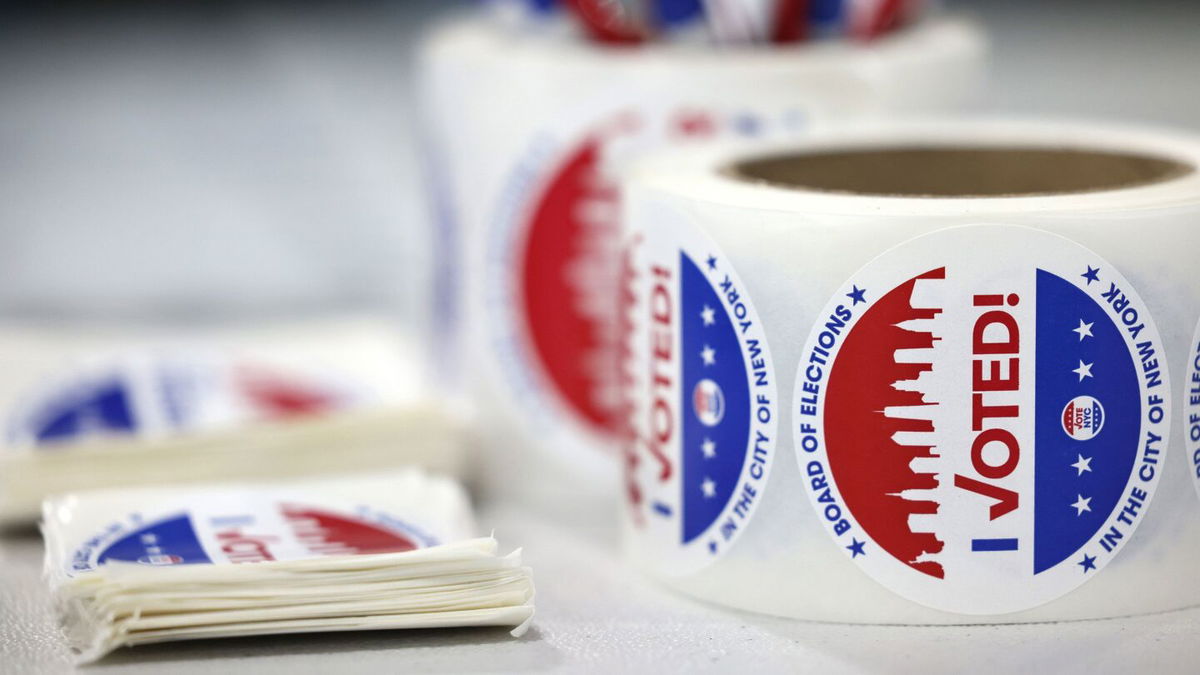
[529, 133]
[918, 373]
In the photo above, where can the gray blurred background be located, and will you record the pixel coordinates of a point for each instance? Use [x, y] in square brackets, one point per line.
[259, 158]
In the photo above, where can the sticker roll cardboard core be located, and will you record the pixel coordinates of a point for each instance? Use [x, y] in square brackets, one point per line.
[960, 171]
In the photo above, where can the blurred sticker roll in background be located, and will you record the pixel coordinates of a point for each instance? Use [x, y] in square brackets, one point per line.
[917, 372]
[529, 130]
[95, 406]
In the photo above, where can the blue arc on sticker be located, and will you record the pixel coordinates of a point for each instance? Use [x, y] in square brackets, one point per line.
[1071, 365]
[715, 406]
[168, 541]
[107, 407]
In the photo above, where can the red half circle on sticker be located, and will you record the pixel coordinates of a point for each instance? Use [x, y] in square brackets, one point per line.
[326, 533]
[871, 469]
[278, 396]
[568, 286]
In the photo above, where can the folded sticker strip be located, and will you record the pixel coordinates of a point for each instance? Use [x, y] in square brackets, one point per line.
[95, 407]
[394, 550]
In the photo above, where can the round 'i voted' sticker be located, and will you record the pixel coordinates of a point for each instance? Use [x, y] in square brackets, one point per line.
[704, 399]
[981, 417]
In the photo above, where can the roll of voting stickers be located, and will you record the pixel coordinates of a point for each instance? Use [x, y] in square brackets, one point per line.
[918, 373]
[529, 136]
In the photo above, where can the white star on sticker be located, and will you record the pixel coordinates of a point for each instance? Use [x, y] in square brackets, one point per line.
[708, 448]
[1084, 370]
[710, 355]
[707, 315]
[1082, 504]
[709, 488]
[1082, 464]
[1084, 330]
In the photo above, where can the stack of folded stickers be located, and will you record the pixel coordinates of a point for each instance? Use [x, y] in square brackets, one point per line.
[131, 567]
[96, 408]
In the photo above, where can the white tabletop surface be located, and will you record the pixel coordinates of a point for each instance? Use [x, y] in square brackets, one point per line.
[76, 92]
